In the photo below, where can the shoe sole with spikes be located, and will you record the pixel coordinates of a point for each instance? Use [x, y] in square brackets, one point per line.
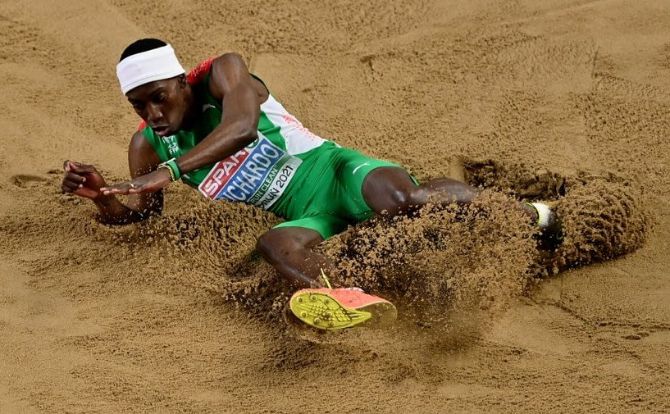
[333, 309]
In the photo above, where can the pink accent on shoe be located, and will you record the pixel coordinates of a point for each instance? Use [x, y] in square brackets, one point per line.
[353, 298]
[326, 308]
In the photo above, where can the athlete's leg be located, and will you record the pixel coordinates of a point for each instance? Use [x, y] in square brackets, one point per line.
[289, 251]
[390, 190]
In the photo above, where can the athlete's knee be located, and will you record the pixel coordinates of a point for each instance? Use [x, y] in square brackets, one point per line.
[276, 246]
[391, 190]
[407, 198]
[400, 199]
[267, 246]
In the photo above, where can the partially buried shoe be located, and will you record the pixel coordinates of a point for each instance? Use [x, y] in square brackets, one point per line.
[333, 309]
[551, 228]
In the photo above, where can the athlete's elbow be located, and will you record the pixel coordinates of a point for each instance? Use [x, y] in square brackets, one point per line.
[247, 135]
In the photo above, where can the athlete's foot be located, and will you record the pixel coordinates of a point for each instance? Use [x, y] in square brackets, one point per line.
[332, 309]
[551, 228]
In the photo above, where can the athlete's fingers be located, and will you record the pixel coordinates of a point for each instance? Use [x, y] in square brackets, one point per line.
[75, 177]
[67, 184]
[70, 187]
[108, 191]
[72, 184]
[71, 165]
[123, 188]
[81, 168]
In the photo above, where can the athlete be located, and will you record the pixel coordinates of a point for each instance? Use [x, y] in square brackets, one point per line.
[219, 130]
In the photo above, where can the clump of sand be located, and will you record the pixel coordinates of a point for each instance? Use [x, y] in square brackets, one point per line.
[447, 259]
[603, 218]
[436, 266]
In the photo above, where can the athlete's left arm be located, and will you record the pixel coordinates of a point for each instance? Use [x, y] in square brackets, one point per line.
[231, 82]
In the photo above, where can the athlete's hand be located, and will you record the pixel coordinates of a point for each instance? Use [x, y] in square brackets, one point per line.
[148, 183]
[82, 180]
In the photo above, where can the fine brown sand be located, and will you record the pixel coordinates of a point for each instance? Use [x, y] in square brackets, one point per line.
[560, 100]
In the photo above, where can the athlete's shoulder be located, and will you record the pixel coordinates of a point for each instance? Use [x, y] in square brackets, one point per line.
[228, 65]
[199, 73]
[229, 58]
[203, 69]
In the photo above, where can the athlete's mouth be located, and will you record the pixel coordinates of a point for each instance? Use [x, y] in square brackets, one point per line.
[161, 130]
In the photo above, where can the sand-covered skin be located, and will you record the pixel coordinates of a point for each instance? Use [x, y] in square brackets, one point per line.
[562, 100]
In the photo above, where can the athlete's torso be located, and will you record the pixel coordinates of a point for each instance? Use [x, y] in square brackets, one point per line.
[262, 173]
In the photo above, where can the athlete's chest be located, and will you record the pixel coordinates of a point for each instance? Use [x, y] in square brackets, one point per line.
[184, 140]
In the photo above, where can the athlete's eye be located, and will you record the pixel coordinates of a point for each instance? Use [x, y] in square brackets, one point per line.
[160, 98]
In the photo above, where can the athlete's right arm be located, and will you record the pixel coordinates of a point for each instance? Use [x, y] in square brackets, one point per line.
[85, 181]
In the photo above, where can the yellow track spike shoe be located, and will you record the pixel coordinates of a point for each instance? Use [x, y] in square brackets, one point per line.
[334, 309]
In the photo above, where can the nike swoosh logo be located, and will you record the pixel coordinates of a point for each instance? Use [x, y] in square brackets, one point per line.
[362, 165]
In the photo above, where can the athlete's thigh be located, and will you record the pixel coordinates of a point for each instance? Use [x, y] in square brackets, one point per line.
[286, 239]
[356, 168]
[323, 225]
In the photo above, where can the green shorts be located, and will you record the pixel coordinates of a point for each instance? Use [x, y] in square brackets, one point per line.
[331, 197]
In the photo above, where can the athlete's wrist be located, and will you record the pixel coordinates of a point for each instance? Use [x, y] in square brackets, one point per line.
[172, 168]
[102, 200]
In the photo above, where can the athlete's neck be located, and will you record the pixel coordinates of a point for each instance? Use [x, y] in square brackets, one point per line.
[192, 112]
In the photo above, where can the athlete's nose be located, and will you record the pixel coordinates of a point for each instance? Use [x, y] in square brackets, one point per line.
[154, 114]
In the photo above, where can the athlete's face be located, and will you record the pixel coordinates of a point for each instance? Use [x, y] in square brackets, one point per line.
[162, 104]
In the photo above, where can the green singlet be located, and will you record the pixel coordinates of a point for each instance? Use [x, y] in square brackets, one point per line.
[311, 182]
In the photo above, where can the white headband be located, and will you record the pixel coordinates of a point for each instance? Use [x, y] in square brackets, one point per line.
[152, 65]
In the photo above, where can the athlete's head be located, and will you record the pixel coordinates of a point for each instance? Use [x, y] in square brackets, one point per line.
[153, 80]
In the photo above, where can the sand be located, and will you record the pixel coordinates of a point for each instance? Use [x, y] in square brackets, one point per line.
[560, 100]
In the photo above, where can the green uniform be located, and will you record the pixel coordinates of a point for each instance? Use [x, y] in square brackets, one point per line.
[311, 182]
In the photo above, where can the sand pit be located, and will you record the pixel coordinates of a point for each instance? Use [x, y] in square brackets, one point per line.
[563, 100]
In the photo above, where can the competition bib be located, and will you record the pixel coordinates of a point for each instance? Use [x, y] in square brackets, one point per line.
[258, 174]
